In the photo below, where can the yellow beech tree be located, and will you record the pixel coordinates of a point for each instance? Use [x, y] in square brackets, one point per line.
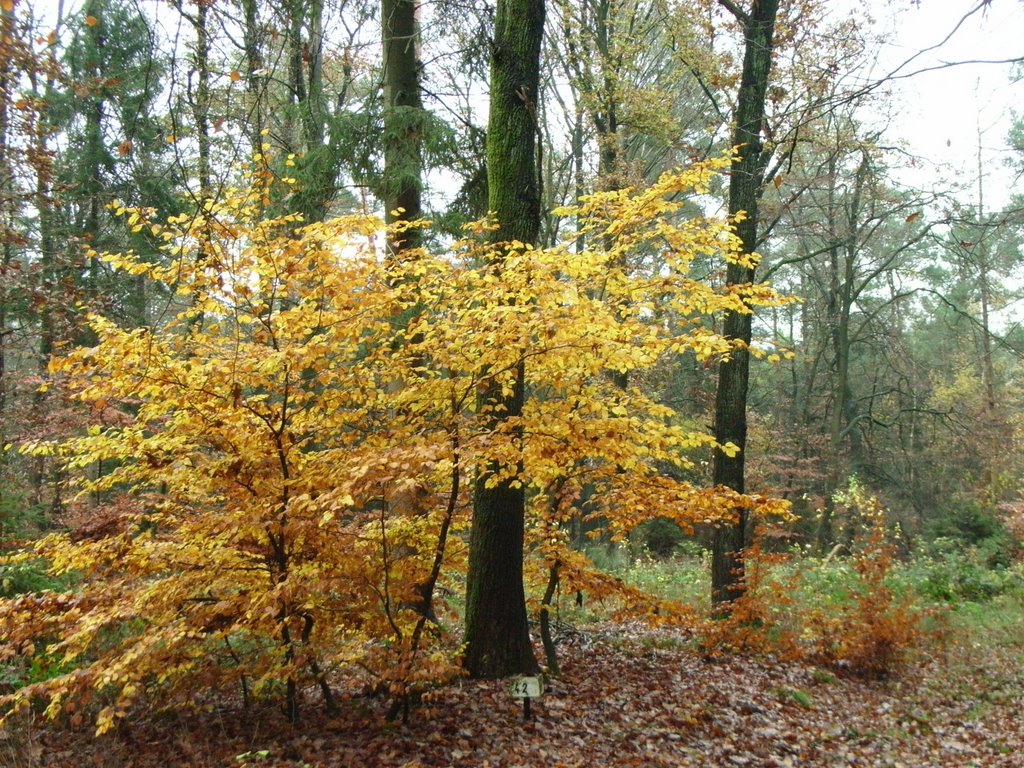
[288, 468]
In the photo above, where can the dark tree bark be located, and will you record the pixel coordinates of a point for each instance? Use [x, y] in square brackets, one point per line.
[52, 275]
[403, 117]
[746, 184]
[94, 115]
[202, 99]
[317, 169]
[253, 82]
[607, 119]
[8, 211]
[497, 630]
[842, 296]
[550, 653]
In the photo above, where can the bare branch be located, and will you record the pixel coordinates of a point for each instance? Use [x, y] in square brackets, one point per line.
[735, 10]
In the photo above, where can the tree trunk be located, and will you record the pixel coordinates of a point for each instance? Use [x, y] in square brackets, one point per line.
[825, 534]
[8, 217]
[843, 445]
[987, 371]
[254, 82]
[497, 630]
[403, 165]
[745, 186]
[201, 100]
[51, 276]
[94, 116]
[607, 120]
[316, 168]
[314, 112]
[550, 652]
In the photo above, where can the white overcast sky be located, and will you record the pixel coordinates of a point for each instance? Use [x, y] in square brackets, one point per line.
[937, 114]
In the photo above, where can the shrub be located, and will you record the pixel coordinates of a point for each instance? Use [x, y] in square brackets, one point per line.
[761, 619]
[947, 571]
[660, 537]
[873, 629]
[965, 524]
[19, 519]
[850, 613]
[28, 576]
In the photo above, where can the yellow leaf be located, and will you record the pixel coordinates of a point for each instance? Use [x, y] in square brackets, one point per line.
[91, 21]
[235, 77]
[7, 5]
[124, 147]
[361, 423]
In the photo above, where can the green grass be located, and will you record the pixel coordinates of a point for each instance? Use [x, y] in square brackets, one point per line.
[683, 578]
[796, 696]
[976, 600]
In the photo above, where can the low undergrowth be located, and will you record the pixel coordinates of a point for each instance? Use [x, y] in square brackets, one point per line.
[868, 613]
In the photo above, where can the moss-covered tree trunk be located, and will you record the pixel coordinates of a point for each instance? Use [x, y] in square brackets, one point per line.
[746, 183]
[497, 630]
[403, 118]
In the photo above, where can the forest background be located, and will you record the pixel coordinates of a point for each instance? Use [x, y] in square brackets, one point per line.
[272, 383]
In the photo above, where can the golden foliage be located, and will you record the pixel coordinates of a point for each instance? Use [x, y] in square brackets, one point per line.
[293, 446]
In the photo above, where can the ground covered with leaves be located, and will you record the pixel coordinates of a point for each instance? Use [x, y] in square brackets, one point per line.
[626, 697]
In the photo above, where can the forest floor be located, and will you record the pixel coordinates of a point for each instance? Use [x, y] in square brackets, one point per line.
[626, 697]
